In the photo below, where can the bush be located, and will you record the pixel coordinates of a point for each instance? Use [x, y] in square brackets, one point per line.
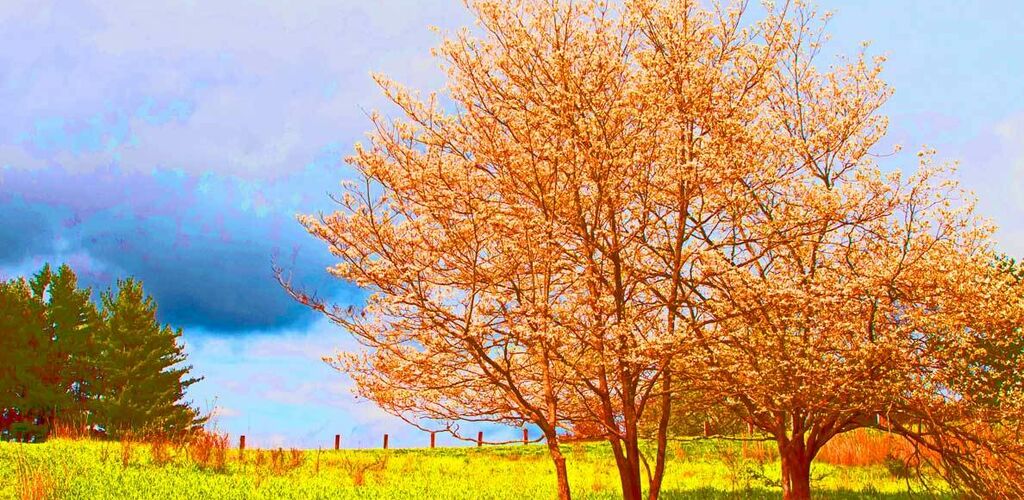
[25, 432]
[898, 467]
[208, 450]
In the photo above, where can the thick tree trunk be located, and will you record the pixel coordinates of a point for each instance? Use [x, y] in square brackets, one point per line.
[662, 437]
[561, 473]
[796, 474]
[627, 461]
[629, 477]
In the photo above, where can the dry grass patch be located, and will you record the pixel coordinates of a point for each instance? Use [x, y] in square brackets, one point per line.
[863, 447]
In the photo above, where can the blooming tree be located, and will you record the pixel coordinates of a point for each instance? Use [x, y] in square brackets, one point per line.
[610, 204]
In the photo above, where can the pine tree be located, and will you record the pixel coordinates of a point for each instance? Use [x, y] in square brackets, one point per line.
[142, 381]
[21, 338]
[30, 363]
[37, 388]
[73, 321]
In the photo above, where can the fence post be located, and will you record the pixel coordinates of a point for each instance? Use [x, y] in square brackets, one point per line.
[707, 428]
[241, 443]
[433, 439]
[337, 442]
[526, 435]
[750, 428]
[385, 441]
[480, 438]
[882, 421]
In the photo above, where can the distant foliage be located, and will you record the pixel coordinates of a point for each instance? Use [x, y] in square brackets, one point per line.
[70, 366]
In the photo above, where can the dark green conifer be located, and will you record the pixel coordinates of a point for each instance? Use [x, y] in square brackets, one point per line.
[142, 379]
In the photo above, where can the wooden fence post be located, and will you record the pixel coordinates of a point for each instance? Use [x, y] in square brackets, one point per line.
[707, 428]
[241, 443]
[385, 441]
[433, 439]
[480, 438]
[337, 442]
[750, 428]
[526, 435]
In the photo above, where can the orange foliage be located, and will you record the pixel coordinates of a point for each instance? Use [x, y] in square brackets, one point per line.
[615, 202]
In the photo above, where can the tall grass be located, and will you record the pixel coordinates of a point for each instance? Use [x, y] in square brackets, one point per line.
[208, 450]
[864, 447]
[33, 483]
[698, 469]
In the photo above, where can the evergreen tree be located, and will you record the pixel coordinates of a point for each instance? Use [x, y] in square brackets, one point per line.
[73, 320]
[17, 372]
[21, 327]
[142, 381]
[45, 340]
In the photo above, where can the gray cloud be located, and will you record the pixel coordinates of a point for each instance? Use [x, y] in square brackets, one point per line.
[202, 246]
[174, 141]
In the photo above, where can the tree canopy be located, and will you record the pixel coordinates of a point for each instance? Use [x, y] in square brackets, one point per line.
[614, 204]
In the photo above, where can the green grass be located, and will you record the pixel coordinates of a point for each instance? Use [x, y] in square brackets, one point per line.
[701, 469]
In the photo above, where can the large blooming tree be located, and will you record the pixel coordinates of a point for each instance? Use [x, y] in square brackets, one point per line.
[609, 204]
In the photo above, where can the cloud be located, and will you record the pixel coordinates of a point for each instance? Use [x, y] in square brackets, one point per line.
[1009, 197]
[232, 87]
[175, 141]
[202, 245]
[28, 229]
[222, 412]
[285, 395]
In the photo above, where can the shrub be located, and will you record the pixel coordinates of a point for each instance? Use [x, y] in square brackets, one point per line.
[208, 450]
[358, 469]
[898, 467]
[26, 432]
[761, 452]
[127, 450]
[159, 451]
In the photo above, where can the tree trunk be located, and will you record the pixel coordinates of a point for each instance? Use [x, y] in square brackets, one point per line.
[560, 471]
[629, 477]
[796, 474]
[662, 437]
[627, 461]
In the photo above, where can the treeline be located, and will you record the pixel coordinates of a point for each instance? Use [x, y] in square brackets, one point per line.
[109, 369]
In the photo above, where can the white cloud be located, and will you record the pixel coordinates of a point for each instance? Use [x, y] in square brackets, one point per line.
[255, 77]
[220, 412]
[994, 168]
[279, 392]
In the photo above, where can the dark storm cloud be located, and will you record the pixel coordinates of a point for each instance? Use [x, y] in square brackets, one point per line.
[202, 246]
[25, 230]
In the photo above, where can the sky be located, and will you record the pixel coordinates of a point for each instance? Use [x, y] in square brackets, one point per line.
[175, 141]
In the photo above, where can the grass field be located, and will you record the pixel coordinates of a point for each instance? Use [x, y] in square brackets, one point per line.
[699, 469]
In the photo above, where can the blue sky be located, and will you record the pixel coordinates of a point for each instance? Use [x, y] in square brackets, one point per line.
[175, 141]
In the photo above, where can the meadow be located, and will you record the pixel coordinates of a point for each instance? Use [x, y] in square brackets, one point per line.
[856, 466]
